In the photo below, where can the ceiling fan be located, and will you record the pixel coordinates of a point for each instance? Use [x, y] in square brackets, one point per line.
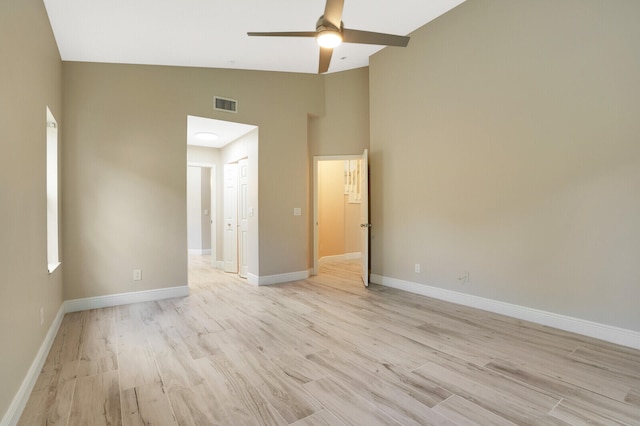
[330, 32]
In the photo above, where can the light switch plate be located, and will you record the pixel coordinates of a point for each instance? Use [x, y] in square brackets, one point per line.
[297, 211]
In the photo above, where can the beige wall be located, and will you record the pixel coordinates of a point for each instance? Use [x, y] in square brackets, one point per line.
[339, 220]
[352, 235]
[504, 142]
[344, 130]
[30, 78]
[330, 208]
[125, 161]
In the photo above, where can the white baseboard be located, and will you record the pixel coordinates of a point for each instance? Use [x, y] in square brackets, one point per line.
[253, 279]
[20, 399]
[199, 252]
[278, 278]
[340, 257]
[14, 412]
[604, 332]
[76, 305]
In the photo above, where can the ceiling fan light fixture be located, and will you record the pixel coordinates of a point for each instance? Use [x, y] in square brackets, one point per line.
[329, 38]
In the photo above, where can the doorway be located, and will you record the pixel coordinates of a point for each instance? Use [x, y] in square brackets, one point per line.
[341, 213]
[238, 152]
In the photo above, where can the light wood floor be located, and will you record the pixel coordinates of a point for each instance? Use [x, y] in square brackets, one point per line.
[324, 351]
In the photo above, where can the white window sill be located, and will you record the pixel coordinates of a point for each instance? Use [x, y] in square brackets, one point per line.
[53, 266]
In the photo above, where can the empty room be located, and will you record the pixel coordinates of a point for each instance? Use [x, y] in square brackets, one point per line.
[429, 212]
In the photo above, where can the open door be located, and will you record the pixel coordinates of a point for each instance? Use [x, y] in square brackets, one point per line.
[365, 226]
[230, 218]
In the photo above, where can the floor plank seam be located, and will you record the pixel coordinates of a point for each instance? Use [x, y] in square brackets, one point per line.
[555, 406]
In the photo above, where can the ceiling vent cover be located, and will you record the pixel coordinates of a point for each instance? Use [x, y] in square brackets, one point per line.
[224, 104]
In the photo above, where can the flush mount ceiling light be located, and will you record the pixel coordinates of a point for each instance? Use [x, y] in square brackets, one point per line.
[206, 136]
[329, 39]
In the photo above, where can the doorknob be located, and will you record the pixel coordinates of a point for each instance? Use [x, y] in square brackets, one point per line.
[365, 225]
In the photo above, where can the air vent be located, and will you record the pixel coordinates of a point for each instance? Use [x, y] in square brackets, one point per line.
[224, 104]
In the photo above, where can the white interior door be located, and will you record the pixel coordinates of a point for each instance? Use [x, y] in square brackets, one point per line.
[365, 226]
[231, 218]
[243, 218]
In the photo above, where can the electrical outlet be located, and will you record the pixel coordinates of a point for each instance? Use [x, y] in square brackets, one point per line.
[41, 316]
[137, 274]
[417, 268]
[464, 278]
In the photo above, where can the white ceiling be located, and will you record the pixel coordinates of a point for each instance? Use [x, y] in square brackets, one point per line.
[213, 33]
[226, 131]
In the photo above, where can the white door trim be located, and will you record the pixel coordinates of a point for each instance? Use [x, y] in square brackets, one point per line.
[213, 217]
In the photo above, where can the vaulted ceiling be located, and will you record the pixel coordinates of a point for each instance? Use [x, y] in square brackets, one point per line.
[213, 33]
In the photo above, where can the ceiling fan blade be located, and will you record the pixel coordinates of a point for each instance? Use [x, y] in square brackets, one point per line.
[368, 37]
[333, 12]
[325, 59]
[285, 34]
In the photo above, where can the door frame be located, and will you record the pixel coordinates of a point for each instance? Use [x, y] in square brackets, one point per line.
[243, 217]
[316, 159]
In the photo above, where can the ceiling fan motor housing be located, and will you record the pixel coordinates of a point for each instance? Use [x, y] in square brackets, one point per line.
[324, 25]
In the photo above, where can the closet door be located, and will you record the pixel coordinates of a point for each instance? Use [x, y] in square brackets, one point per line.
[231, 218]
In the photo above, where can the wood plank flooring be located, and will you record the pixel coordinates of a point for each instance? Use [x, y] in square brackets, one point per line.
[324, 351]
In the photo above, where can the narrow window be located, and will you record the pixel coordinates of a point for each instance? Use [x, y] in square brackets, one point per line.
[52, 192]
